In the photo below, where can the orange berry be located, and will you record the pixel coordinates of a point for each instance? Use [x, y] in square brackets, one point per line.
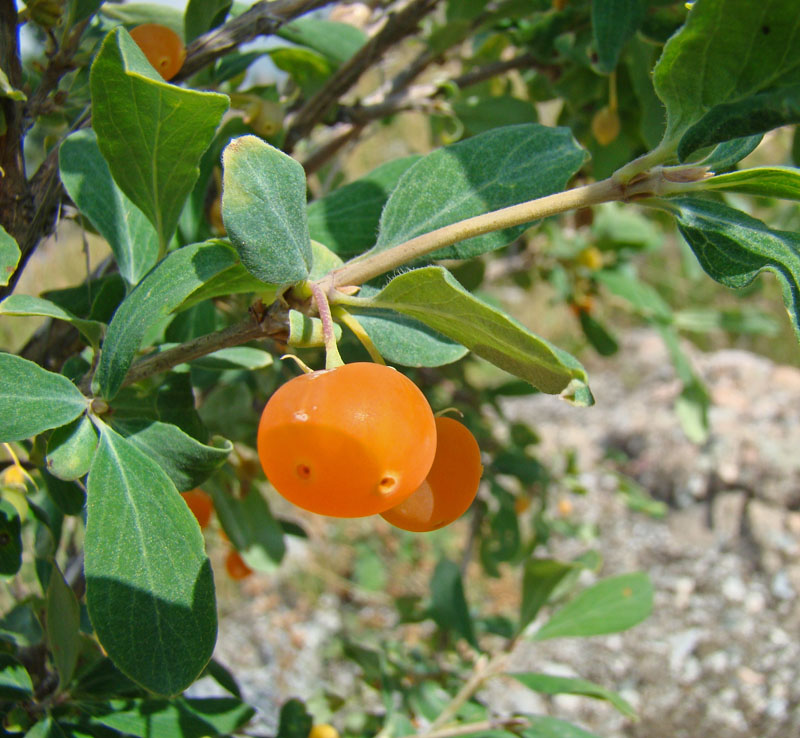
[521, 504]
[347, 442]
[235, 566]
[323, 730]
[163, 48]
[200, 504]
[451, 484]
[564, 507]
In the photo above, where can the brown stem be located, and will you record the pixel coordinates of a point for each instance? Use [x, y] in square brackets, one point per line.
[15, 197]
[263, 19]
[398, 26]
[274, 325]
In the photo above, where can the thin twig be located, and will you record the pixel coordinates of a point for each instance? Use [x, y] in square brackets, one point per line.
[274, 326]
[481, 726]
[398, 26]
[360, 270]
[263, 19]
[485, 668]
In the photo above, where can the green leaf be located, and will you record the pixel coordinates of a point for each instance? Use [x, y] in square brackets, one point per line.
[308, 69]
[203, 15]
[80, 10]
[641, 295]
[145, 556]
[294, 721]
[47, 728]
[68, 497]
[8, 91]
[20, 626]
[63, 619]
[448, 605]
[222, 676]
[33, 400]
[15, 683]
[88, 181]
[610, 606]
[20, 305]
[136, 13]
[542, 726]
[639, 64]
[726, 52]
[187, 462]
[435, 298]
[726, 154]
[752, 116]
[324, 260]
[539, 579]
[10, 540]
[70, 449]
[547, 684]
[335, 41]
[250, 526]
[9, 256]
[151, 133]
[734, 248]
[502, 167]
[180, 718]
[163, 290]
[614, 22]
[598, 335]
[305, 332]
[479, 115]
[264, 211]
[235, 357]
[233, 280]
[347, 219]
[407, 342]
[783, 182]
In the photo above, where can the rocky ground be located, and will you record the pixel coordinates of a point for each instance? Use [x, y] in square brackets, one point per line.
[721, 654]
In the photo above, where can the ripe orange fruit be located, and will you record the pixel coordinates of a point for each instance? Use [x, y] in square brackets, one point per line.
[235, 566]
[451, 484]
[163, 47]
[323, 730]
[200, 504]
[347, 442]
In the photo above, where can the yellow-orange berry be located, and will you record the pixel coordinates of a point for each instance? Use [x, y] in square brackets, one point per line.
[163, 48]
[451, 484]
[200, 504]
[347, 442]
[235, 566]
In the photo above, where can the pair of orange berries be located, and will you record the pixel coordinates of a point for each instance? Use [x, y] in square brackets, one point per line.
[361, 439]
[199, 502]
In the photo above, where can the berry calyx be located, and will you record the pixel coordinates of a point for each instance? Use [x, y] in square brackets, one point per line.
[163, 48]
[347, 442]
[451, 484]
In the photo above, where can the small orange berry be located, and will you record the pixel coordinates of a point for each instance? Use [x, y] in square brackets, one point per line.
[200, 504]
[235, 566]
[451, 484]
[564, 507]
[163, 48]
[323, 730]
[347, 442]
